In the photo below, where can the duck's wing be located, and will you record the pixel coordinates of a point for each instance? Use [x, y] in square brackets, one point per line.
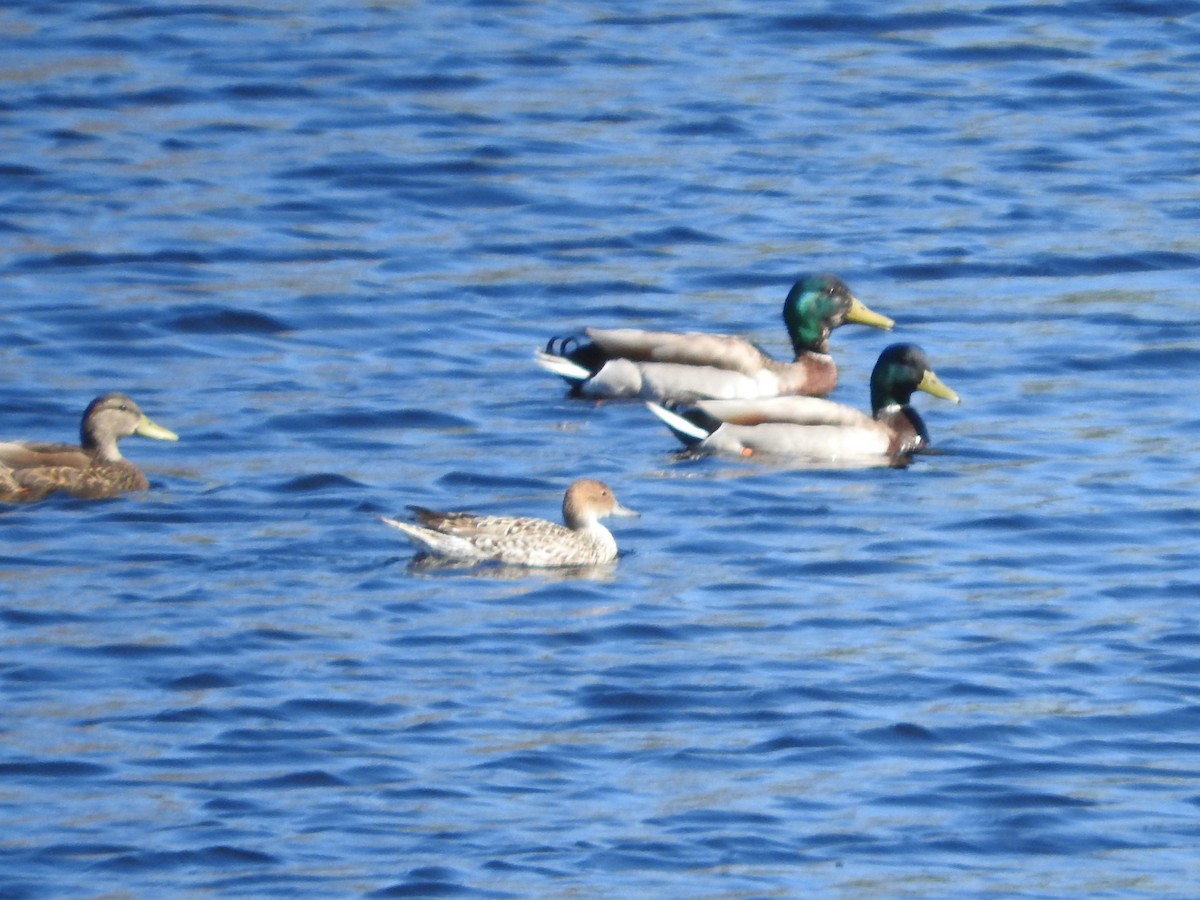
[720, 351]
[38, 454]
[489, 528]
[790, 410]
[462, 524]
[434, 518]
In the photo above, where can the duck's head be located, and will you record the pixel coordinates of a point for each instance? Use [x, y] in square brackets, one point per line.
[900, 370]
[587, 500]
[112, 417]
[817, 304]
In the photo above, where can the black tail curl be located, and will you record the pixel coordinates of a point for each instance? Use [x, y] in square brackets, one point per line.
[565, 345]
[579, 349]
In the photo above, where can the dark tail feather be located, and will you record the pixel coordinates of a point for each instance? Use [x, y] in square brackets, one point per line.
[579, 349]
[689, 424]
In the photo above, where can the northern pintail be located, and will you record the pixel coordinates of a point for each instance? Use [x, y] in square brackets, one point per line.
[522, 541]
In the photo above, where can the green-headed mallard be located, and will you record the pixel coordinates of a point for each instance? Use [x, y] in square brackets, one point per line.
[93, 470]
[681, 367]
[815, 429]
[520, 541]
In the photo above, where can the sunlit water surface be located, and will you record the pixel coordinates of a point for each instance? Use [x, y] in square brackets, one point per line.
[322, 242]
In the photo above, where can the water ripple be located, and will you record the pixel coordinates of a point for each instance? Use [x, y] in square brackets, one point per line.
[329, 271]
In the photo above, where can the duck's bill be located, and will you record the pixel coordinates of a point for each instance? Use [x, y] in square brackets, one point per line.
[931, 384]
[147, 428]
[864, 316]
[619, 510]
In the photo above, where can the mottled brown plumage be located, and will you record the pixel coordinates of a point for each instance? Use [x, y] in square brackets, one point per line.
[521, 540]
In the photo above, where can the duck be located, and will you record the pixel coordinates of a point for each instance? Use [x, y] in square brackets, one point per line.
[93, 470]
[820, 430]
[666, 366]
[520, 540]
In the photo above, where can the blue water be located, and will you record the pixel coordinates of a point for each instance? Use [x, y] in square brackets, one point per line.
[322, 242]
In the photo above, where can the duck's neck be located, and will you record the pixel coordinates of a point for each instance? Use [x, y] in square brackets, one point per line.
[102, 450]
[808, 336]
[598, 534]
[805, 322]
[907, 426]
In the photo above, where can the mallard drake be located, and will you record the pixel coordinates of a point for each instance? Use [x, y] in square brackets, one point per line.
[816, 429]
[681, 367]
[521, 541]
[93, 470]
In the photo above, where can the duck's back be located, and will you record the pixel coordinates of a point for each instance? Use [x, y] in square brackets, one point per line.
[38, 454]
[683, 348]
[786, 410]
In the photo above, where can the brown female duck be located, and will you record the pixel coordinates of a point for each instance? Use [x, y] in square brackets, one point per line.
[522, 540]
[95, 469]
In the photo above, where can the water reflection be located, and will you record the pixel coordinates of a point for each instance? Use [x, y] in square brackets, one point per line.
[429, 565]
